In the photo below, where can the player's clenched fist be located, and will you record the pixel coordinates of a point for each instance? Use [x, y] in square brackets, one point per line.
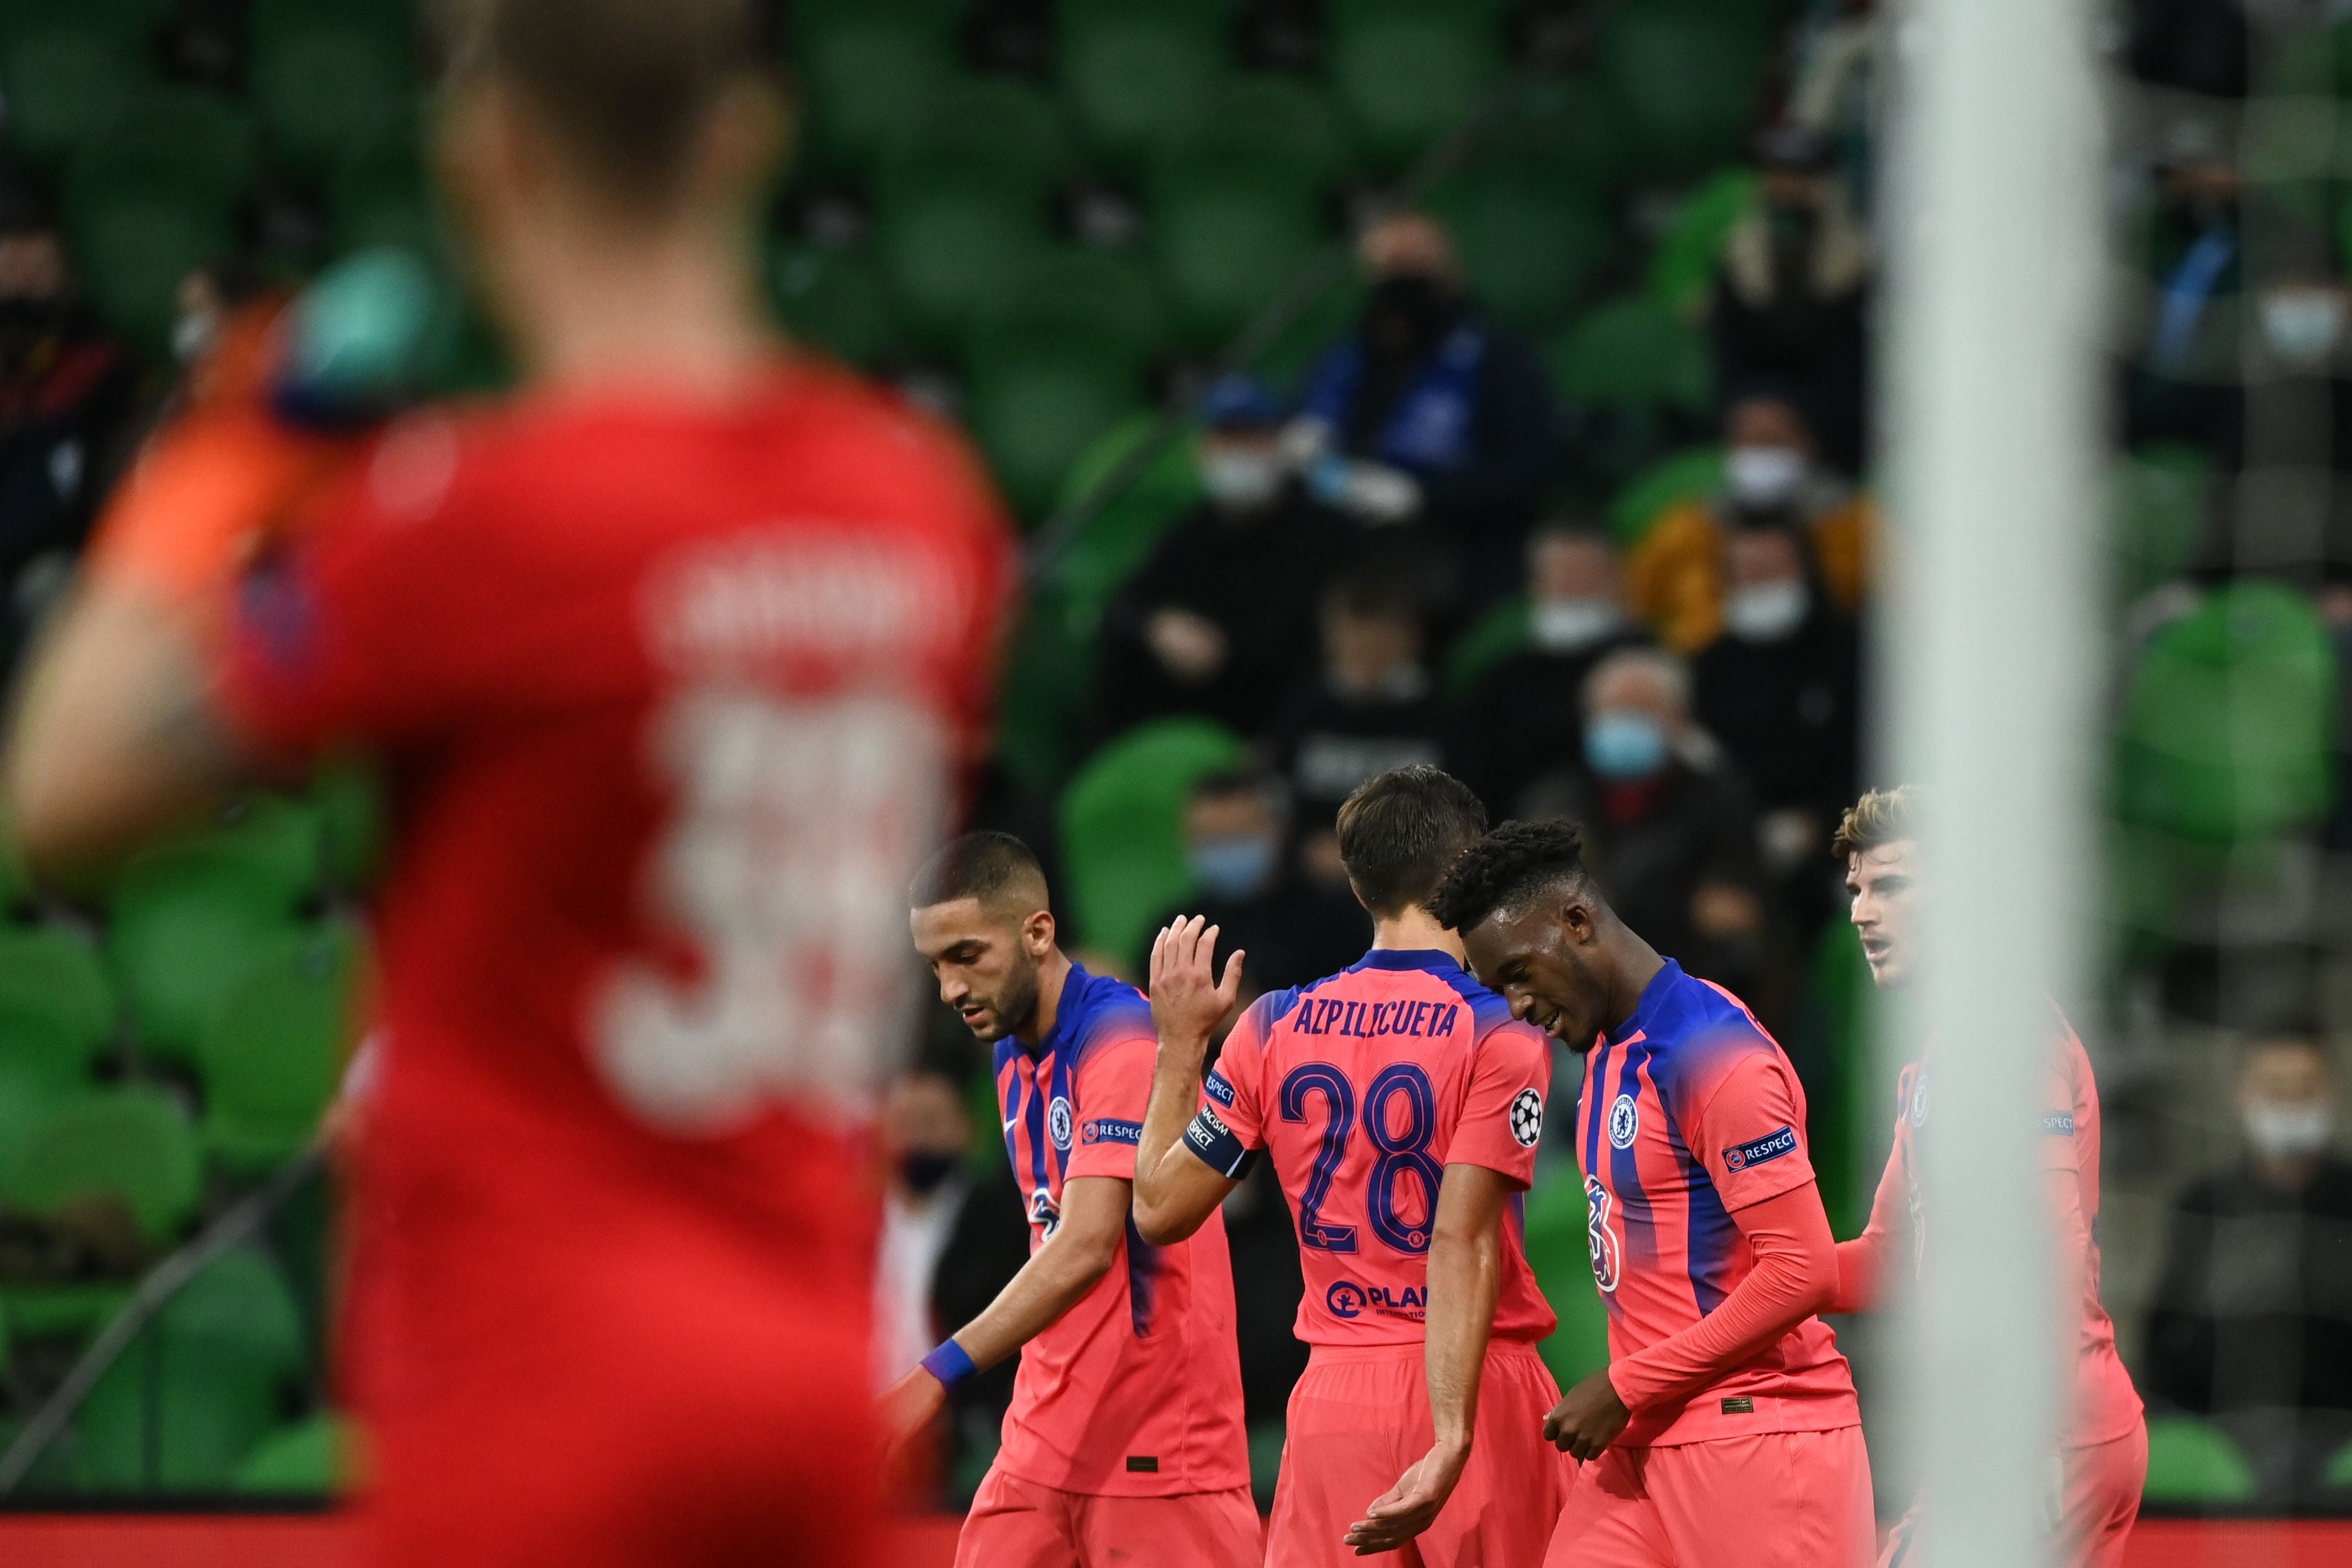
[1188, 999]
[1588, 1419]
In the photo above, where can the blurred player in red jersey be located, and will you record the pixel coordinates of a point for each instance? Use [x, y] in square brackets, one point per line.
[1125, 1442]
[673, 657]
[1401, 1105]
[1724, 1429]
[2102, 1460]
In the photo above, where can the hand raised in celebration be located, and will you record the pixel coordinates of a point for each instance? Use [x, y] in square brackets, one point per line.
[1188, 999]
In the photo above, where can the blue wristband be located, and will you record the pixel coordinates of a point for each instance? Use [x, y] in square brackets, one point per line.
[950, 1364]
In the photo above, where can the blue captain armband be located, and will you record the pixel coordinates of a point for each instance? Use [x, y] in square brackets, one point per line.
[950, 1364]
[1217, 1147]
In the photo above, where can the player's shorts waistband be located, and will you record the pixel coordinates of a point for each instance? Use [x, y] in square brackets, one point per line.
[1363, 1354]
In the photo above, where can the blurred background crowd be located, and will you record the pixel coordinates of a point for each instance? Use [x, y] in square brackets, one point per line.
[1470, 381]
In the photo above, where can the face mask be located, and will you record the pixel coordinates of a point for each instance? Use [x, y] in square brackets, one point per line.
[1404, 315]
[924, 1169]
[1241, 481]
[1572, 625]
[2288, 1131]
[1624, 746]
[1763, 476]
[1233, 867]
[1767, 611]
[2302, 326]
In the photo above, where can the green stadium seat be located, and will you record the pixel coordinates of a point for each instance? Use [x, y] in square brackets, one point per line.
[1688, 77]
[1530, 244]
[838, 302]
[1230, 238]
[994, 134]
[346, 799]
[63, 81]
[1408, 73]
[1566, 124]
[331, 80]
[1842, 1116]
[1559, 1250]
[1265, 1444]
[1121, 828]
[871, 72]
[1035, 401]
[2337, 1474]
[1686, 475]
[1284, 363]
[2161, 503]
[1272, 121]
[2191, 1461]
[181, 142]
[2228, 721]
[1634, 352]
[1681, 268]
[217, 1361]
[1486, 642]
[309, 1459]
[57, 1009]
[266, 851]
[381, 197]
[133, 1143]
[1109, 299]
[1115, 544]
[272, 1049]
[133, 251]
[1138, 75]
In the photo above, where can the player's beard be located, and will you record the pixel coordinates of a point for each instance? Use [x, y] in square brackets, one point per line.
[1016, 1007]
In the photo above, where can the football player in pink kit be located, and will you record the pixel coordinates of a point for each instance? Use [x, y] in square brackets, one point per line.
[1125, 1443]
[2103, 1456]
[1402, 1106]
[1724, 1428]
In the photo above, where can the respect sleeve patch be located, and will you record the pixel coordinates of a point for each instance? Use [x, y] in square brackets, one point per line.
[1770, 1146]
[1106, 1130]
[1219, 1088]
[2060, 1123]
[1218, 1146]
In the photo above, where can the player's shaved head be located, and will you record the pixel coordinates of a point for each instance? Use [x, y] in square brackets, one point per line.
[628, 89]
[995, 869]
[1400, 832]
[982, 920]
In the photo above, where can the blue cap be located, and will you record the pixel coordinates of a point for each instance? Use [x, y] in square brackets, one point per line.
[1238, 402]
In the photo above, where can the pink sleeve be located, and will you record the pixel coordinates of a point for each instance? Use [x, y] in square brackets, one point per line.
[1502, 1116]
[1112, 1086]
[2063, 1110]
[1751, 1132]
[1861, 1262]
[1795, 1274]
[1231, 1126]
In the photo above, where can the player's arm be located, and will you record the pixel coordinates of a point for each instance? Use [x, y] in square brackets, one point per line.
[114, 734]
[1175, 1190]
[1465, 1277]
[1861, 1262]
[1074, 1260]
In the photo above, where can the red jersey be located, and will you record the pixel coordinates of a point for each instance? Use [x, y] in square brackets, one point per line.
[1136, 1390]
[1366, 1085]
[1690, 1113]
[2104, 1406]
[673, 692]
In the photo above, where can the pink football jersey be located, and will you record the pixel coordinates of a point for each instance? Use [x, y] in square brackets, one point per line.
[1136, 1390]
[1690, 1113]
[2105, 1404]
[1366, 1085]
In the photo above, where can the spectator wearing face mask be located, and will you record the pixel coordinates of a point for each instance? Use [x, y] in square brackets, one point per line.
[1669, 828]
[1781, 690]
[1772, 478]
[1427, 414]
[1211, 624]
[926, 1134]
[2253, 1317]
[1527, 713]
[1792, 290]
[1372, 708]
[2285, 401]
[1238, 844]
[68, 392]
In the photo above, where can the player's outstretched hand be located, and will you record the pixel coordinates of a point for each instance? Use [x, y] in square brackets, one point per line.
[1187, 999]
[1588, 1419]
[909, 1406]
[1411, 1506]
